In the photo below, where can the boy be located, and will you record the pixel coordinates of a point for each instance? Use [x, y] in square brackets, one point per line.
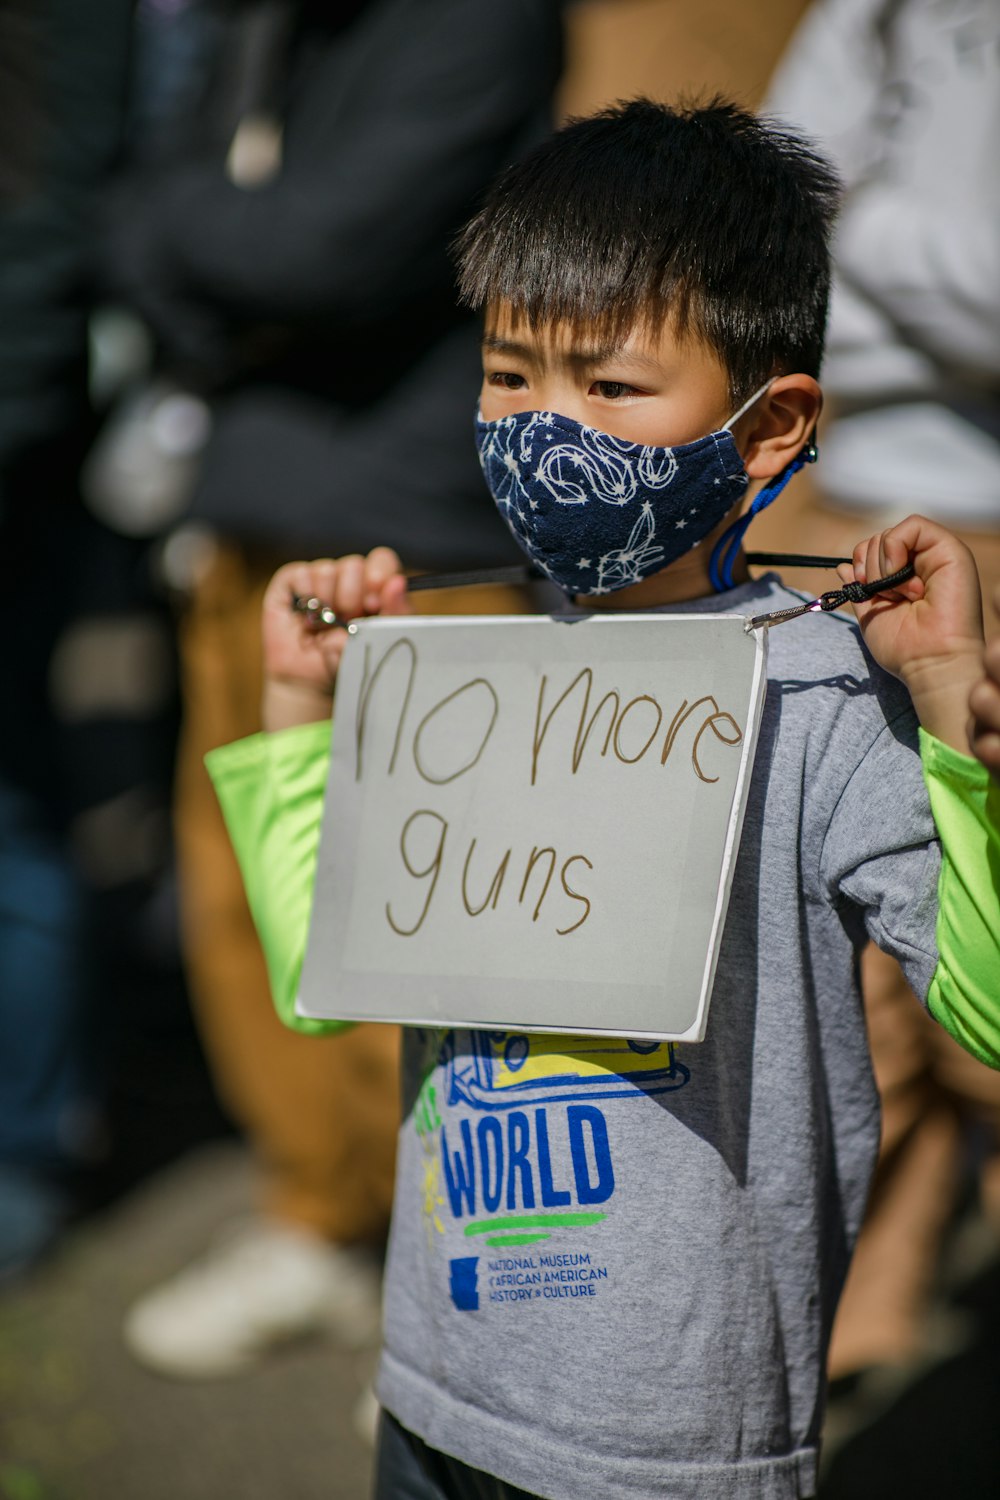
[644, 274]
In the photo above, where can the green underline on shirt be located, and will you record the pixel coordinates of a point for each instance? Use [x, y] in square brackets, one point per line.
[521, 1222]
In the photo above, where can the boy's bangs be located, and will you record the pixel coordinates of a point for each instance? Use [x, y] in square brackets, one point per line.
[560, 269]
[590, 314]
[594, 287]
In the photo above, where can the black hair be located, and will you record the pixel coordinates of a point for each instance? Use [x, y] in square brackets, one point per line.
[708, 213]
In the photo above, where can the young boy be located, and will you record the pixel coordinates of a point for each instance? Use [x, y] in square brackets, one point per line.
[644, 275]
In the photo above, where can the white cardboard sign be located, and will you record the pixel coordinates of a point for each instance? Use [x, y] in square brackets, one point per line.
[531, 823]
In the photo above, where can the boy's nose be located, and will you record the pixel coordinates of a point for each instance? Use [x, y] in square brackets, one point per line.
[560, 398]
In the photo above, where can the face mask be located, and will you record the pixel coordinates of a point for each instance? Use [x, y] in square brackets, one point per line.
[597, 513]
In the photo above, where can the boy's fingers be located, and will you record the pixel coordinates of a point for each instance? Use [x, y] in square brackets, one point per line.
[281, 585]
[382, 562]
[394, 599]
[349, 586]
[897, 547]
[984, 701]
[293, 578]
[898, 544]
[985, 710]
[885, 553]
[985, 745]
[892, 554]
[324, 579]
[381, 565]
[868, 571]
[324, 584]
[873, 559]
[307, 579]
[879, 556]
[298, 578]
[860, 556]
[991, 655]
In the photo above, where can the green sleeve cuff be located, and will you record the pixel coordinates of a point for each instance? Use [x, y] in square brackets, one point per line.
[271, 787]
[965, 991]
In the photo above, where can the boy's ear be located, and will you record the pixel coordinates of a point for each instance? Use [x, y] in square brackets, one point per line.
[780, 425]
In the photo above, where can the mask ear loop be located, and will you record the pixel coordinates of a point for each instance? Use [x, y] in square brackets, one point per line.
[726, 549]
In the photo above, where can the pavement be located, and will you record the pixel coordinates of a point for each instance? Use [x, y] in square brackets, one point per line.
[79, 1420]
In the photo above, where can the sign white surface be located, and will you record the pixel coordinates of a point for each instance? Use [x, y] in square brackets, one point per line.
[531, 823]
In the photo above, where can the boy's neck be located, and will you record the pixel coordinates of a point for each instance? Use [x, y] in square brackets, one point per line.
[685, 579]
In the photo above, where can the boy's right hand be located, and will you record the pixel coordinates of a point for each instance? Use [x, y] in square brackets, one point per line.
[301, 661]
[984, 704]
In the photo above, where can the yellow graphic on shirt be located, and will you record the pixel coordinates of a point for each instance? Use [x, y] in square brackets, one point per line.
[433, 1196]
[527, 1057]
[428, 1121]
[505, 1068]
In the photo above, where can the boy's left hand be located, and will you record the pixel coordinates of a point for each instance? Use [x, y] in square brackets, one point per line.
[927, 631]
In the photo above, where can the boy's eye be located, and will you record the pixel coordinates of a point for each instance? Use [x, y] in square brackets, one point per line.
[613, 390]
[506, 379]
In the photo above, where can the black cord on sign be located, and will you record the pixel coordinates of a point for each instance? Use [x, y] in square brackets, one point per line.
[857, 593]
[849, 593]
[321, 617]
[793, 560]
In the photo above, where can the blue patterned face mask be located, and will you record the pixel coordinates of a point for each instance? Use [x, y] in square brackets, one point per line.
[597, 513]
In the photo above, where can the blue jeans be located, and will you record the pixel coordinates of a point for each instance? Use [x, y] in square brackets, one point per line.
[45, 1090]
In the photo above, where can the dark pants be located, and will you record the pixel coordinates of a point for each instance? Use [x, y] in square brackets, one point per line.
[407, 1469]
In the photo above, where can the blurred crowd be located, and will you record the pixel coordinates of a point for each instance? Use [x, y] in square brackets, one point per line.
[228, 338]
[240, 344]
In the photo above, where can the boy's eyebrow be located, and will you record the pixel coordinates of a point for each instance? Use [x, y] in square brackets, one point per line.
[581, 358]
[500, 345]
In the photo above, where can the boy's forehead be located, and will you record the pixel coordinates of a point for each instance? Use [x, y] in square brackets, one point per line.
[506, 329]
[658, 341]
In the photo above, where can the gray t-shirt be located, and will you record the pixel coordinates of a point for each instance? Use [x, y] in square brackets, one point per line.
[613, 1267]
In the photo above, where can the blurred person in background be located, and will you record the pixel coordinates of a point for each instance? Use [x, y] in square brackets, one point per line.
[905, 97]
[68, 746]
[288, 248]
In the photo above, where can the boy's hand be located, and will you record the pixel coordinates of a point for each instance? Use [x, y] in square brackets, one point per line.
[301, 661]
[984, 704]
[927, 631]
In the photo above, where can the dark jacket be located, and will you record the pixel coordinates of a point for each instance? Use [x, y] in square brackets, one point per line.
[318, 310]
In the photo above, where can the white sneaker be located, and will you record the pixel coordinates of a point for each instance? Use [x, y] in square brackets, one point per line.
[258, 1285]
[364, 1417]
